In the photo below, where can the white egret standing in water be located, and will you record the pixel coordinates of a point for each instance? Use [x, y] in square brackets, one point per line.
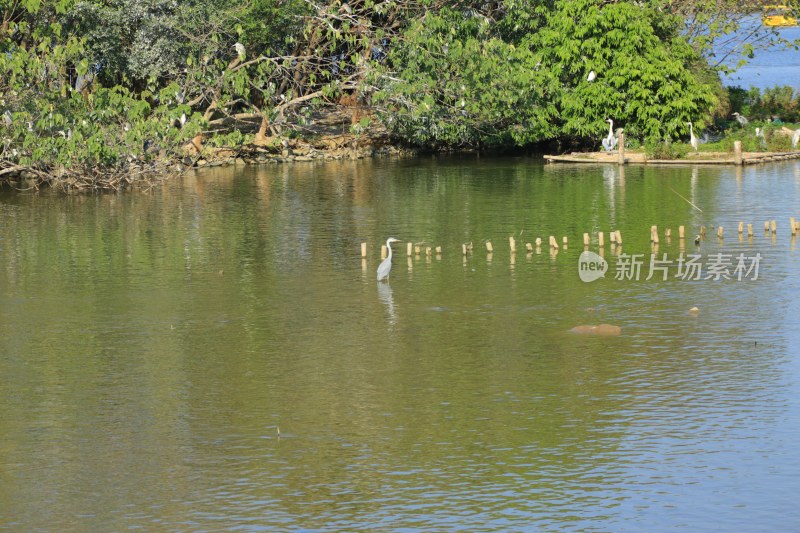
[692, 139]
[386, 265]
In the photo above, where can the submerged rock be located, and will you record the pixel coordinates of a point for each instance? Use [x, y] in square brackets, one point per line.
[606, 330]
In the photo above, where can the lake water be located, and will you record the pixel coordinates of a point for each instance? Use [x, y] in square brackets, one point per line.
[214, 355]
[768, 68]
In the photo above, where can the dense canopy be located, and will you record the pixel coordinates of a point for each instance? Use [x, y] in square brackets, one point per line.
[101, 83]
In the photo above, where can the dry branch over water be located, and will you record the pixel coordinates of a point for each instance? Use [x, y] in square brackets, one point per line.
[114, 179]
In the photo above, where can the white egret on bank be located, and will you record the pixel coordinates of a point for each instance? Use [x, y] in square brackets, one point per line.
[610, 142]
[386, 265]
[795, 138]
[760, 135]
[692, 139]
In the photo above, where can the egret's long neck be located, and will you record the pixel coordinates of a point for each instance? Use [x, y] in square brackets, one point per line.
[691, 129]
[389, 246]
[610, 128]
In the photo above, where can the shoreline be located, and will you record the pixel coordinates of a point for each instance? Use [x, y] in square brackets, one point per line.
[327, 139]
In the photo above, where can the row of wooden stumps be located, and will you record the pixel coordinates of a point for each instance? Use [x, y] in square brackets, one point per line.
[615, 238]
[415, 249]
[770, 226]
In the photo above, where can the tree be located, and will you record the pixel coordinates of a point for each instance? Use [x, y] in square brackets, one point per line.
[643, 66]
[451, 80]
[53, 127]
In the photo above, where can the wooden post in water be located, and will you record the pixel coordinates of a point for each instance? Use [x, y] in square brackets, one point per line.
[601, 239]
[553, 243]
[793, 226]
[585, 240]
[773, 226]
[621, 149]
[512, 244]
[529, 247]
[409, 249]
[564, 241]
[612, 236]
[654, 234]
[720, 232]
[681, 232]
[741, 228]
[619, 237]
[364, 249]
[489, 247]
[749, 230]
[766, 226]
[737, 152]
[538, 242]
[438, 250]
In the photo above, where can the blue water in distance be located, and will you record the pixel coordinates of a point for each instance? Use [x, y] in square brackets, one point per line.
[769, 67]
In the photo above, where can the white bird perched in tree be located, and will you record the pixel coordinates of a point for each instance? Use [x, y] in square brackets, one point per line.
[386, 265]
[692, 139]
[239, 50]
[591, 76]
[9, 120]
[610, 142]
[740, 119]
[795, 138]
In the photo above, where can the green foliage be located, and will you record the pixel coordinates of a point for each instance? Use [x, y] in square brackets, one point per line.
[780, 101]
[451, 81]
[102, 83]
[655, 149]
[643, 82]
[234, 139]
[460, 77]
[56, 127]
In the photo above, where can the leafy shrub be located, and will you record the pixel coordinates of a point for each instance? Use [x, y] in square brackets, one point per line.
[666, 150]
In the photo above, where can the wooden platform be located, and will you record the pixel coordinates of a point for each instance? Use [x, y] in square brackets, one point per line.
[702, 158]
